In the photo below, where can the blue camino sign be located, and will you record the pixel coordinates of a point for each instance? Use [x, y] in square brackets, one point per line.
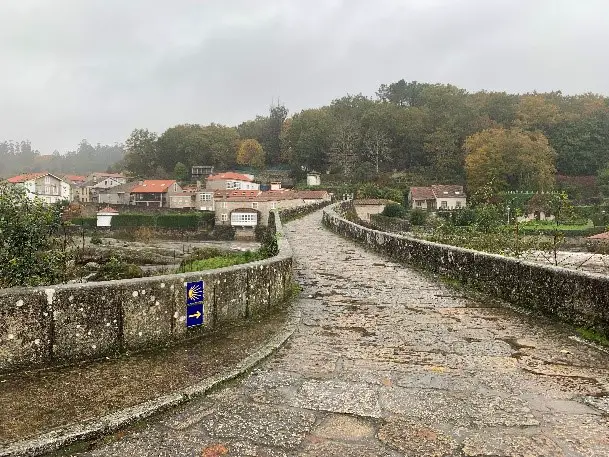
[195, 294]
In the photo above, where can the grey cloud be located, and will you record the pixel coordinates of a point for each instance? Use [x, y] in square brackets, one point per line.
[96, 69]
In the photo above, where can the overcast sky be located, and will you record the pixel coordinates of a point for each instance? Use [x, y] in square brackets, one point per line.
[97, 69]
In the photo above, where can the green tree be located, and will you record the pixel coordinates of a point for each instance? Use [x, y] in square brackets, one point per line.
[308, 139]
[603, 181]
[251, 153]
[511, 159]
[180, 172]
[30, 253]
[141, 155]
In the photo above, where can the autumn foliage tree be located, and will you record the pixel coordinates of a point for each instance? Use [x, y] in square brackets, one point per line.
[251, 153]
[512, 159]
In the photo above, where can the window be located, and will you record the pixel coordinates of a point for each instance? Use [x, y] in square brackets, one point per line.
[47, 180]
[224, 217]
[458, 205]
[419, 203]
[224, 205]
[244, 219]
[273, 205]
[255, 205]
[444, 205]
[205, 197]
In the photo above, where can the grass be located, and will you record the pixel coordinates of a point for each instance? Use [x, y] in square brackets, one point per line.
[221, 261]
[591, 335]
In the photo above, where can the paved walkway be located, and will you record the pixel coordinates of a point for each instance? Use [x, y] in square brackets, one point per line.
[390, 362]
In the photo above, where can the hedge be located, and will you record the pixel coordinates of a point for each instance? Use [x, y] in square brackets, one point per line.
[85, 221]
[191, 221]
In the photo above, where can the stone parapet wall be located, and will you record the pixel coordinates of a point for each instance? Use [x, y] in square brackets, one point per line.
[54, 325]
[576, 297]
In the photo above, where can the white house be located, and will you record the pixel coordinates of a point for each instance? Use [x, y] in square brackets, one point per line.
[104, 217]
[44, 186]
[437, 197]
[231, 181]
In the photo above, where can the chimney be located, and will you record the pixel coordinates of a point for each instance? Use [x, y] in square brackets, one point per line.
[198, 185]
[141, 183]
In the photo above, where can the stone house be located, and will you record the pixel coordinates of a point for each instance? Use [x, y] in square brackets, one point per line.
[154, 192]
[117, 195]
[368, 206]
[437, 197]
[44, 186]
[96, 183]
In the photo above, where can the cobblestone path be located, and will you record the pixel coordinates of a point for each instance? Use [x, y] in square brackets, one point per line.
[391, 362]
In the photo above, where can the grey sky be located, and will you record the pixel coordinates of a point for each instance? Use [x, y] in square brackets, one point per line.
[97, 69]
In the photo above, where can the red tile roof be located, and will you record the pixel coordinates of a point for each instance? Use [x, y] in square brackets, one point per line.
[26, 177]
[107, 209]
[312, 194]
[153, 186]
[230, 175]
[75, 178]
[436, 191]
[453, 191]
[421, 193]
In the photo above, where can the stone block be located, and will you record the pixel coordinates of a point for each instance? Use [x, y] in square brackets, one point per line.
[86, 321]
[231, 295]
[148, 309]
[25, 329]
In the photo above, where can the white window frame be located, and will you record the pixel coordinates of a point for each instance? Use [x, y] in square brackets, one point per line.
[273, 205]
[224, 217]
[47, 179]
[444, 204]
[419, 203]
[254, 205]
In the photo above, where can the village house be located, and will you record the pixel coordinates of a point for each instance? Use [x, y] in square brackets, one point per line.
[44, 186]
[95, 183]
[201, 171]
[231, 181]
[437, 197]
[154, 192]
[365, 207]
[117, 195]
[247, 208]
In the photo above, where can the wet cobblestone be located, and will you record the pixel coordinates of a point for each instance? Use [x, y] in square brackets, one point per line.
[391, 362]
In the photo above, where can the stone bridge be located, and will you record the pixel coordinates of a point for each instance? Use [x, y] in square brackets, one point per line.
[388, 361]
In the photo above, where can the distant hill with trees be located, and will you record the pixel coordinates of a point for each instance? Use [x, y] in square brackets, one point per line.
[437, 131]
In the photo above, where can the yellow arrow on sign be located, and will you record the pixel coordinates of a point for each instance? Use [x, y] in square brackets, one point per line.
[196, 315]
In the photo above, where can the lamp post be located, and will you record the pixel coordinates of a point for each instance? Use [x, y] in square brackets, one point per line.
[508, 211]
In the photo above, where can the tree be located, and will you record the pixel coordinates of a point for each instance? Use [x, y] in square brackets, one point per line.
[344, 147]
[308, 139]
[30, 254]
[141, 155]
[511, 159]
[251, 153]
[377, 146]
[180, 172]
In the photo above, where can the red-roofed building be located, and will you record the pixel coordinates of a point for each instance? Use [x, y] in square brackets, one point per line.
[154, 192]
[44, 186]
[231, 181]
[438, 196]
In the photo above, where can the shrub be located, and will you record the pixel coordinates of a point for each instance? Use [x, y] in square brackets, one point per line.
[143, 234]
[30, 252]
[394, 210]
[95, 238]
[117, 269]
[418, 217]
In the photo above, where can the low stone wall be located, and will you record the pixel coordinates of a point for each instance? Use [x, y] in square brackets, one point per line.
[54, 325]
[577, 297]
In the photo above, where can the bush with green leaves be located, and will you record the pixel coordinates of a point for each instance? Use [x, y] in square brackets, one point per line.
[418, 217]
[394, 210]
[117, 269]
[31, 251]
